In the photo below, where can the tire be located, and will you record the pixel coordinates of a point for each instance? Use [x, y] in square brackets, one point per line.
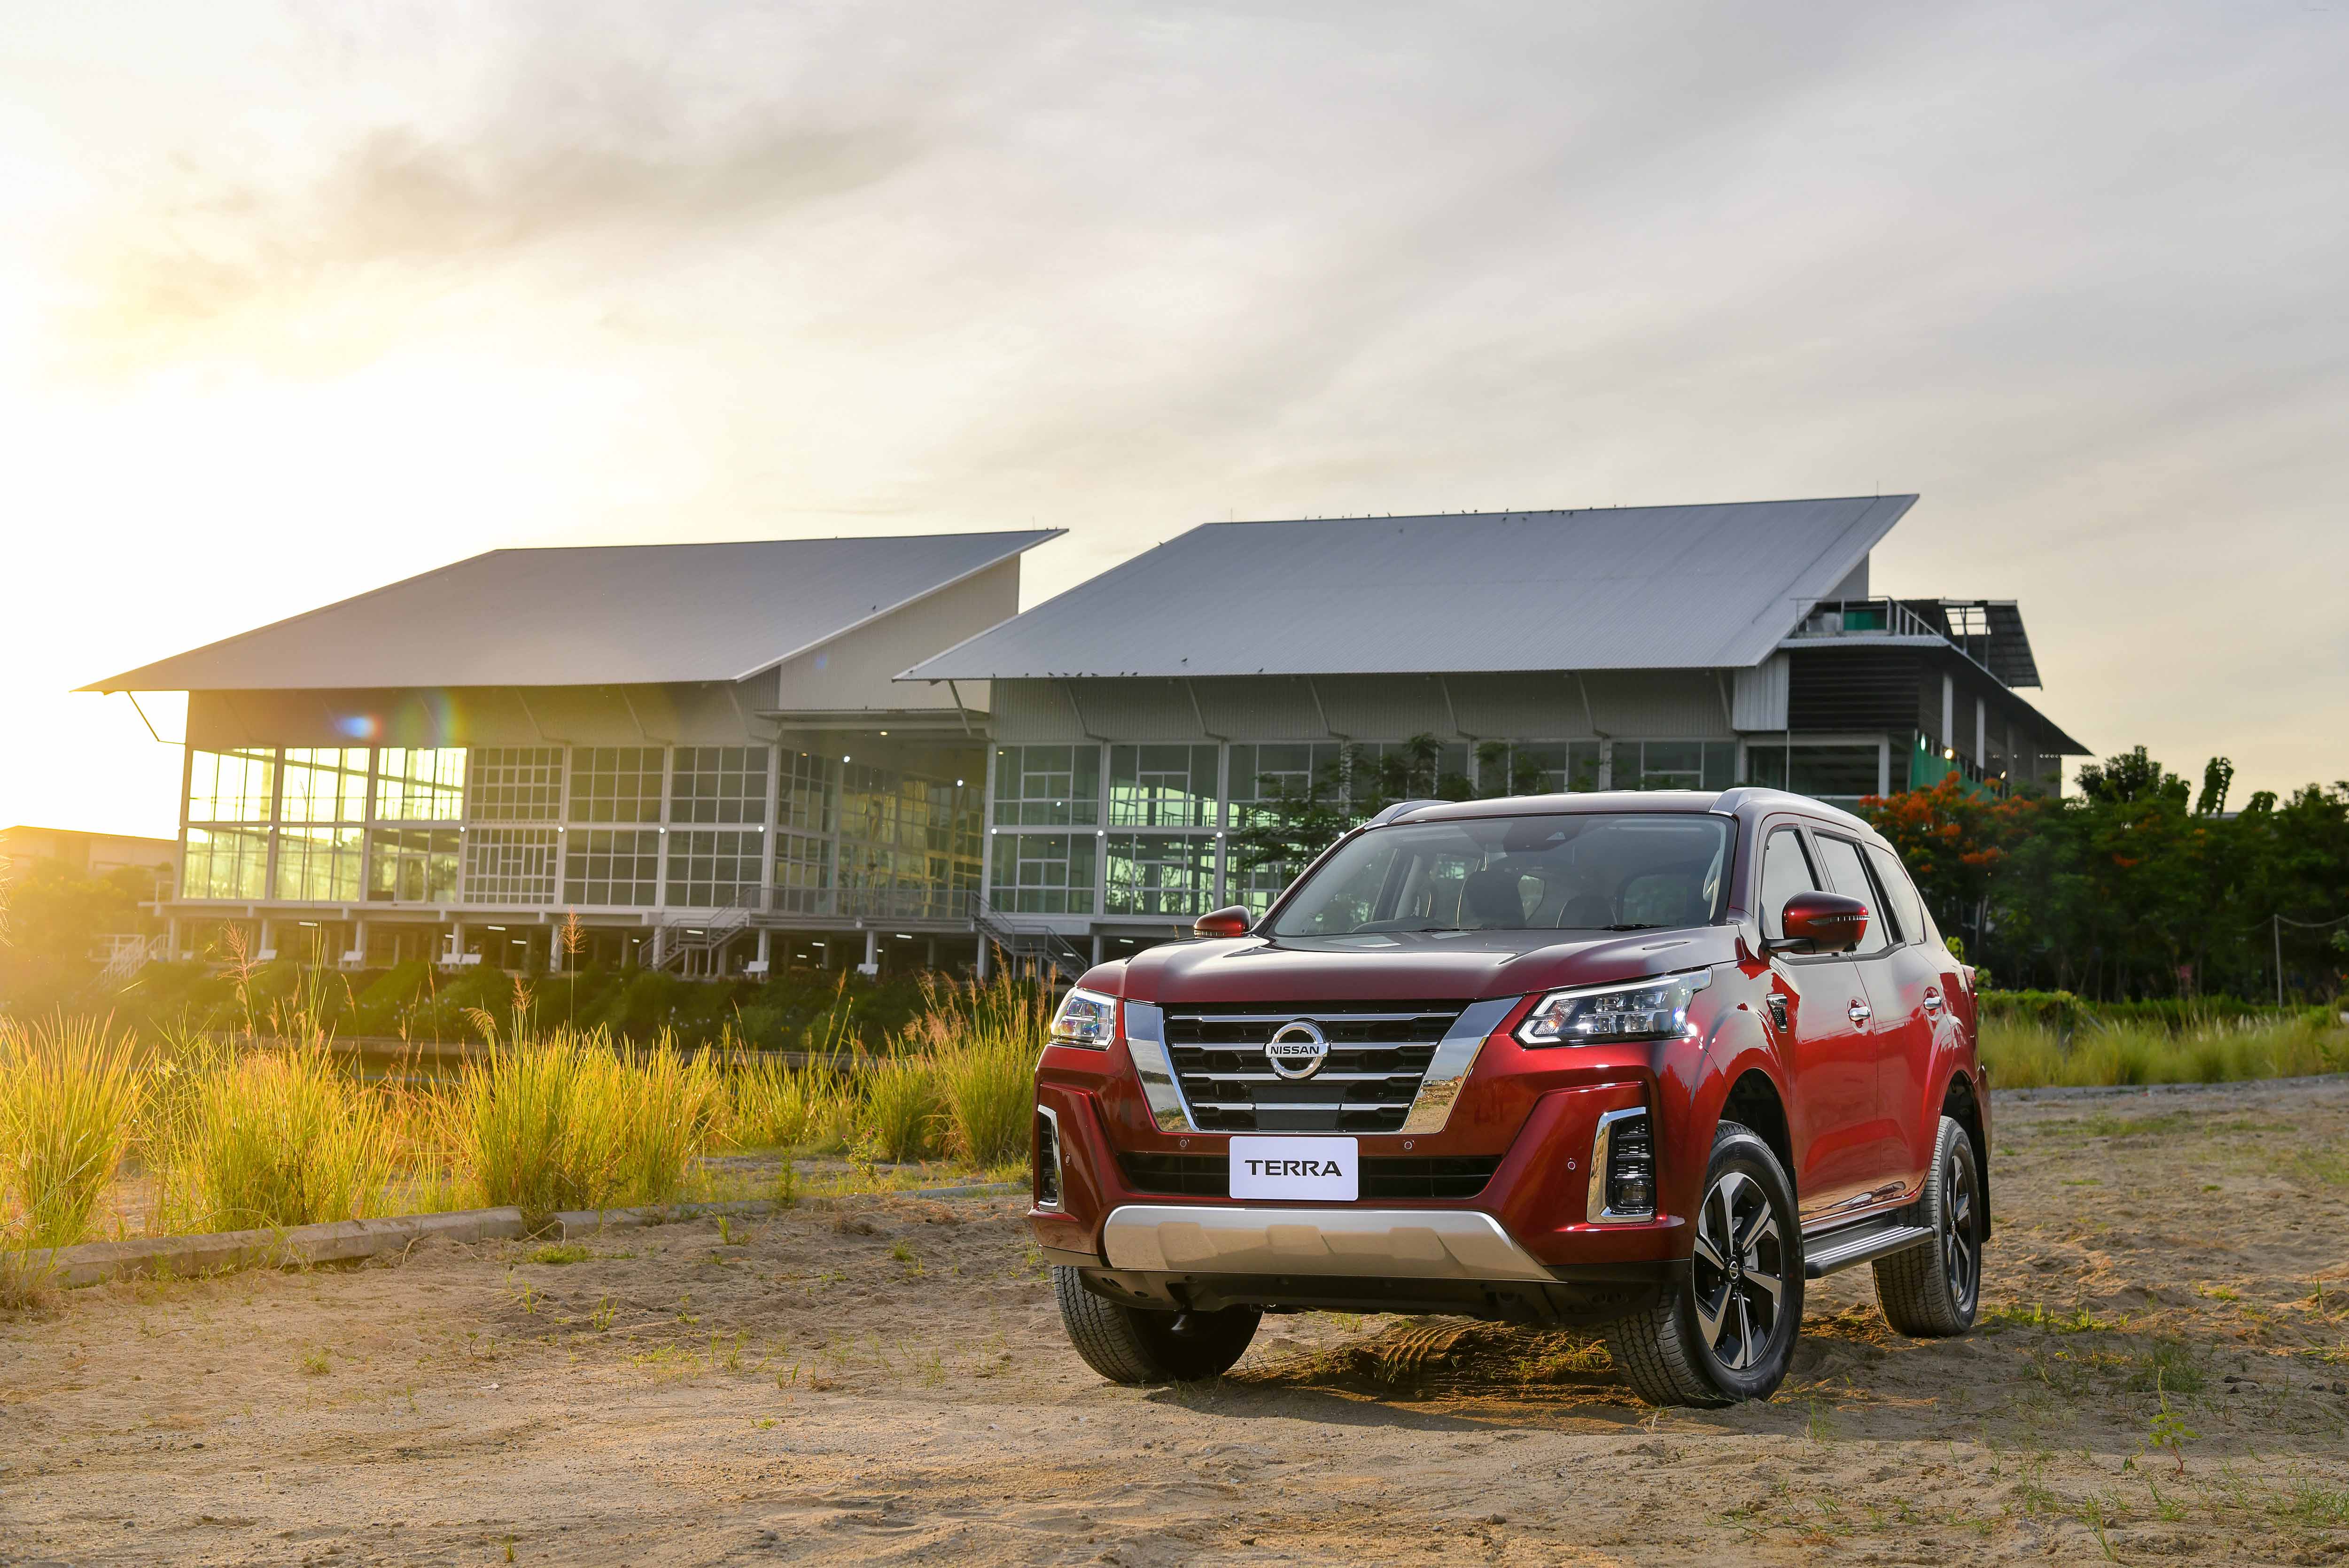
[1134, 1346]
[1933, 1291]
[1721, 1335]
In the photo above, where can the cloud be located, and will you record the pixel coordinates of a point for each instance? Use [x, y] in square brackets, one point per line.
[331, 270]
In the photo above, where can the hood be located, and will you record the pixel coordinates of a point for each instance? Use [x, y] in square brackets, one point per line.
[1414, 966]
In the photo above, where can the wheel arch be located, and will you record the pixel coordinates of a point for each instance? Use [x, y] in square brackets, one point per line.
[1960, 1104]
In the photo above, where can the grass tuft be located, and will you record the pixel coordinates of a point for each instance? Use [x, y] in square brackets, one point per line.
[68, 1102]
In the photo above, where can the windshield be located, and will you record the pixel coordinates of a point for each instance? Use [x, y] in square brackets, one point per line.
[1627, 870]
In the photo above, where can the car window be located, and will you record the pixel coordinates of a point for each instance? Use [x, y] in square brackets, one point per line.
[1849, 871]
[1900, 891]
[1613, 870]
[1785, 871]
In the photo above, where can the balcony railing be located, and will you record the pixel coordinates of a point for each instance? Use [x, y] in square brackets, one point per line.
[876, 903]
[1866, 618]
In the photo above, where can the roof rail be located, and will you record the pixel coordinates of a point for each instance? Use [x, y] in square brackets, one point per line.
[1398, 809]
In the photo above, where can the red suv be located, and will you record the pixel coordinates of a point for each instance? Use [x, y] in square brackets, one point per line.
[1648, 1061]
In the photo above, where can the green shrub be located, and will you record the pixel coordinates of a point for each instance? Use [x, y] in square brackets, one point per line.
[563, 1122]
[900, 1111]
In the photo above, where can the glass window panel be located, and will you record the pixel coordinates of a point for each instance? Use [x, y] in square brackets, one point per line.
[807, 793]
[611, 866]
[1838, 773]
[616, 783]
[511, 865]
[1263, 772]
[719, 784]
[716, 868]
[1849, 871]
[412, 866]
[1720, 764]
[1785, 871]
[419, 786]
[1660, 764]
[1044, 873]
[1894, 879]
[1047, 786]
[320, 863]
[1161, 873]
[803, 874]
[225, 862]
[230, 786]
[516, 784]
[1162, 786]
[1552, 767]
[327, 785]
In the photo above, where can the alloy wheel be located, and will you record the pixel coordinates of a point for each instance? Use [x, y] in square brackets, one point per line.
[1740, 1271]
[1961, 1242]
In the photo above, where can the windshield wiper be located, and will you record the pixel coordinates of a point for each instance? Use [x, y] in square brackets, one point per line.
[1635, 925]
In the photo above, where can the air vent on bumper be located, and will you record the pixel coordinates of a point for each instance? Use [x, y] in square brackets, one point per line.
[1623, 1168]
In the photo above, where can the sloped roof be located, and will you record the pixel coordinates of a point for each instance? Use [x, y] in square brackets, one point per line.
[591, 616]
[1651, 587]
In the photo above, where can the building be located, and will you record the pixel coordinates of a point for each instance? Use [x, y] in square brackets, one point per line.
[726, 758]
[697, 749]
[85, 855]
[1140, 716]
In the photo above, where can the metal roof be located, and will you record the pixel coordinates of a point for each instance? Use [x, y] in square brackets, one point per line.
[590, 615]
[1651, 587]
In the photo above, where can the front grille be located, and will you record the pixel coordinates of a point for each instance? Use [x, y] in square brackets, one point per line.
[1379, 1051]
[1209, 1175]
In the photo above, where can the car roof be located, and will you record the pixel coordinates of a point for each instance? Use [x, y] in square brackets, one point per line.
[1746, 802]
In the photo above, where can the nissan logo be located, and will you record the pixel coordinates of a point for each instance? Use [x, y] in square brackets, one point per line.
[1298, 1050]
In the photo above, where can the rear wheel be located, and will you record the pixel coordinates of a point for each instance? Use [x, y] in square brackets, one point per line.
[1933, 1291]
[1132, 1344]
[1727, 1332]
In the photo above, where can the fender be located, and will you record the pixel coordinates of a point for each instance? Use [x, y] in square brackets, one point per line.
[1738, 1043]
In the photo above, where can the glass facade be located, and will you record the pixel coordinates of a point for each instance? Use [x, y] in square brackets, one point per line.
[319, 862]
[1841, 774]
[1044, 873]
[805, 796]
[412, 866]
[329, 785]
[613, 867]
[511, 865]
[616, 783]
[419, 786]
[1162, 786]
[517, 784]
[1161, 874]
[1047, 786]
[711, 868]
[231, 785]
[719, 784]
[226, 862]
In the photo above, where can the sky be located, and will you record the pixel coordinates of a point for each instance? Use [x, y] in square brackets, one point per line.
[298, 300]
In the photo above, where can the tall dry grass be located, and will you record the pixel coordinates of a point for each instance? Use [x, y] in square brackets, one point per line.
[267, 1140]
[2035, 1056]
[68, 1100]
[570, 1121]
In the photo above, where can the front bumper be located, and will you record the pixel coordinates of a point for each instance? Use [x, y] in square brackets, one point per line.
[1239, 1239]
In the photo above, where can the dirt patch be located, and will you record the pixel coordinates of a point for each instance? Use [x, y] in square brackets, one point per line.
[2163, 1372]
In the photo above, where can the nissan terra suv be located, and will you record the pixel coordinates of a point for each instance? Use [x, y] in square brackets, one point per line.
[1645, 1061]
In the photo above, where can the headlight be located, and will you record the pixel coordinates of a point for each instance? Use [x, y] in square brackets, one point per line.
[1086, 1019]
[1653, 1009]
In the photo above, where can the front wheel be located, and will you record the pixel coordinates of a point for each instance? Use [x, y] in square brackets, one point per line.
[1133, 1344]
[1727, 1332]
[1933, 1291]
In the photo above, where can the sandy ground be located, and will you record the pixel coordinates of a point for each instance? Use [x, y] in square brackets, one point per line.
[2162, 1375]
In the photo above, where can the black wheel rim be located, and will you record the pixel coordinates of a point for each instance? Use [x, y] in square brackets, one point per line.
[1960, 1236]
[1739, 1274]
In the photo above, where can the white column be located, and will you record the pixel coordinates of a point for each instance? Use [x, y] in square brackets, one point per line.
[979, 970]
[1982, 734]
[554, 949]
[1097, 947]
[266, 941]
[872, 949]
[1949, 712]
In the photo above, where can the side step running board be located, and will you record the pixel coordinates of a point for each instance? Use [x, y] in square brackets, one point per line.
[1841, 1252]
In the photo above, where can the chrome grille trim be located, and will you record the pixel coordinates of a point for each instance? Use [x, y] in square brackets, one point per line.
[1145, 1042]
[1431, 1107]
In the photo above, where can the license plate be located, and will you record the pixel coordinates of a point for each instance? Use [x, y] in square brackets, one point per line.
[1314, 1170]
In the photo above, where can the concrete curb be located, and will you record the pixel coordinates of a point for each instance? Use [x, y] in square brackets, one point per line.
[348, 1240]
[2113, 1091]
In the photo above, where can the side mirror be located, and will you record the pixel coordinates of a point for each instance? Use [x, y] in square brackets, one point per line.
[1234, 921]
[1821, 922]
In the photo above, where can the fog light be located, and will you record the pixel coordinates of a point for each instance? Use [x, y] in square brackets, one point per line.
[1048, 1160]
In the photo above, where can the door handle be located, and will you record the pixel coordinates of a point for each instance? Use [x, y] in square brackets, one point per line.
[1933, 1003]
[1861, 1012]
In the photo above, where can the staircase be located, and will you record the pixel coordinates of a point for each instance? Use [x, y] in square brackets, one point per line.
[1050, 954]
[692, 946]
[120, 957]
